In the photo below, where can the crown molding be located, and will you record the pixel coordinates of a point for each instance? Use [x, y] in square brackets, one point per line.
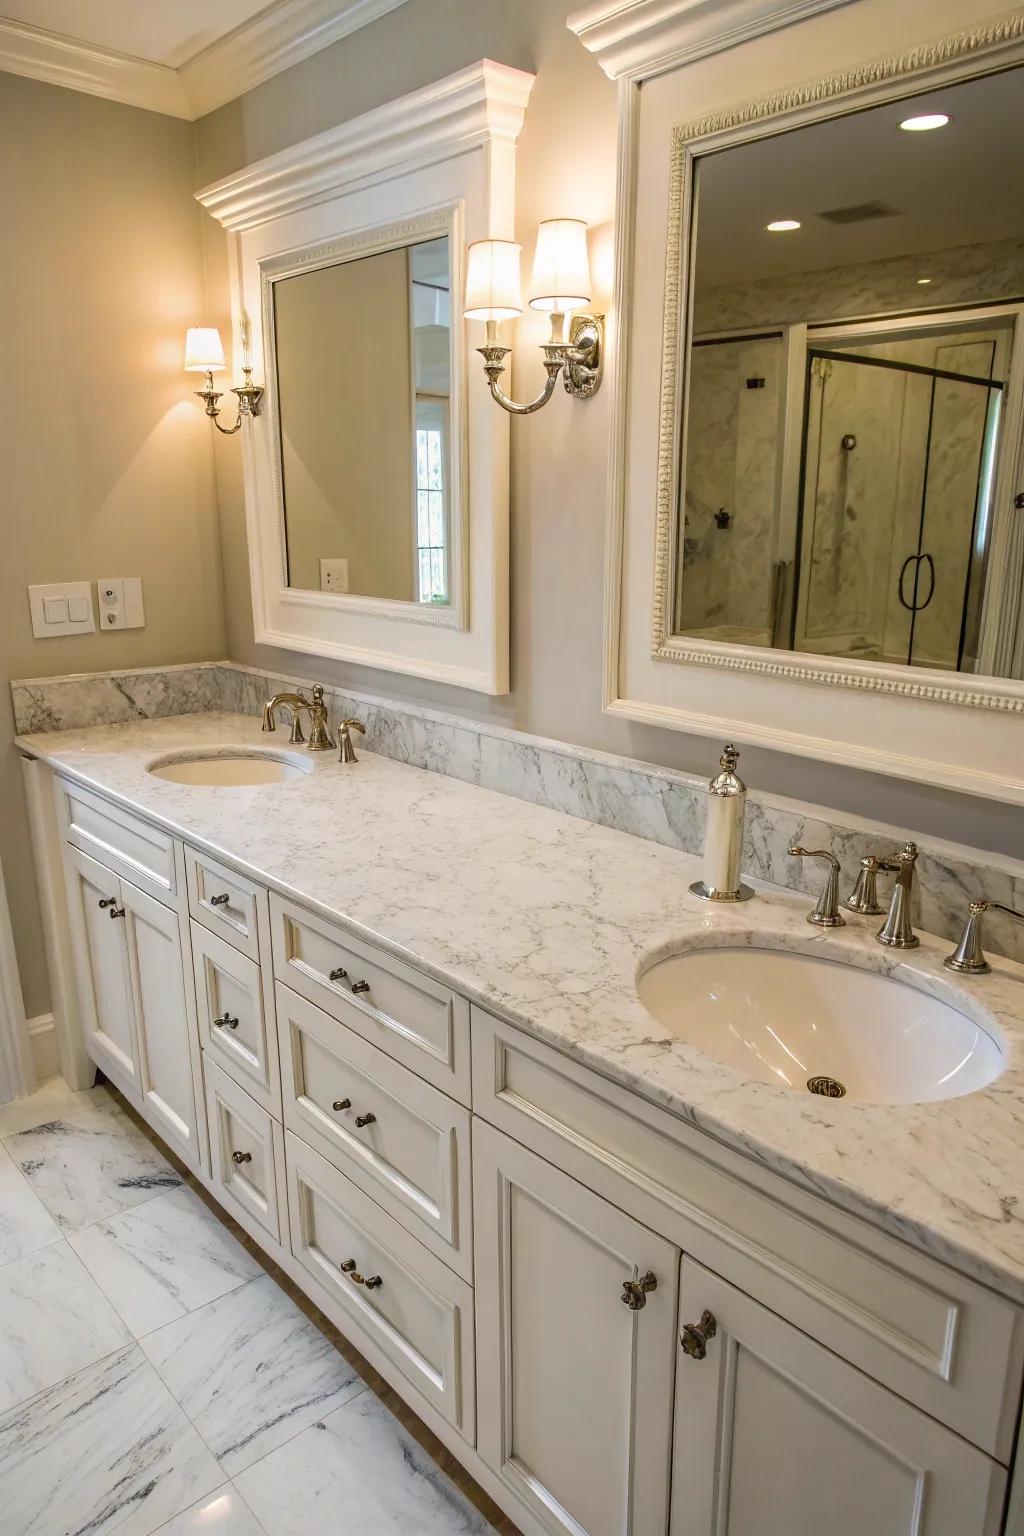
[58, 60]
[483, 102]
[271, 42]
[635, 39]
[283, 35]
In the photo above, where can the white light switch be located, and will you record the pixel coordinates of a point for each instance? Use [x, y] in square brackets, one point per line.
[120, 599]
[61, 608]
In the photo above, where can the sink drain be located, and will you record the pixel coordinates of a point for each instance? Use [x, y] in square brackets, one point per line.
[827, 1087]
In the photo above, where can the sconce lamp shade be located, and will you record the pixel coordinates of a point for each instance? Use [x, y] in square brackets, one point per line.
[203, 350]
[493, 290]
[561, 267]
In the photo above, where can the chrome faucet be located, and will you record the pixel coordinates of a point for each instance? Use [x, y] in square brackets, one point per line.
[896, 931]
[968, 959]
[320, 738]
[826, 908]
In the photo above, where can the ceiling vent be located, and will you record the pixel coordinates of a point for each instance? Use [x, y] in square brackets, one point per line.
[859, 213]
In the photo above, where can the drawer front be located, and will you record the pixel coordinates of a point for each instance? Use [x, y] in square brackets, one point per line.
[236, 1022]
[420, 1313]
[247, 1153]
[411, 1153]
[416, 1020]
[933, 1336]
[121, 841]
[227, 904]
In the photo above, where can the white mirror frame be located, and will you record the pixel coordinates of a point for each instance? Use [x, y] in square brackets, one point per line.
[439, 161]
[936, 727]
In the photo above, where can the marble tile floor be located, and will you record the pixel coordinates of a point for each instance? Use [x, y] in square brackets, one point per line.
[160, 1377]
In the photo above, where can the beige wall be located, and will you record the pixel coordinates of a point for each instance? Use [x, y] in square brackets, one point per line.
[106, 465]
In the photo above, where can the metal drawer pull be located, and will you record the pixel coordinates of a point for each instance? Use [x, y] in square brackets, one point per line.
[241, 1157]
[634, 1292]
[338, 975]
[696, 1337]
[367, 1119]
[226, 1021]
[340, 1104]
[116, 912]
[372, 1282]
[220, 901]
[360, 986]
[109, 901]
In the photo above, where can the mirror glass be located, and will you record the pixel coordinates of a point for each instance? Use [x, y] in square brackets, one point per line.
[363, 351]
[850, 434]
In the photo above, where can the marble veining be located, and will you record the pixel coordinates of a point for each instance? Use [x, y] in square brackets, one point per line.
[25, 1223]
[635, 797]
[547, 919]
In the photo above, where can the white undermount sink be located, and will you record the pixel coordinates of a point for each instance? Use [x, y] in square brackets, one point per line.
[820, 1026]
[232, 770]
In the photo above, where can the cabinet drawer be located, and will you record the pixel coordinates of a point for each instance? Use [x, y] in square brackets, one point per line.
[418, 1021]
[412, 1156]
[236, 1021]
[933, 1336]
[121, 841]
[228, 904]
[247, 1150]
[418, 1311]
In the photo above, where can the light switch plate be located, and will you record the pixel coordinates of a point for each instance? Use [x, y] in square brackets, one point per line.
[61, 608]
[120, 602]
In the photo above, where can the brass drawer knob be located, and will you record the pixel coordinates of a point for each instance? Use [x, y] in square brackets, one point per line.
[360, 986]
[220, 901]
[367, 1119]
[241, 1157]
[340, 1104]
[338, 974]
[226, 1021]
[696, 1337]
[634, 1292]
[347, 1266]
[372, 1282]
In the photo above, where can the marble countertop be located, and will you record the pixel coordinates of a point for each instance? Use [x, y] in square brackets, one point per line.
[548, 920]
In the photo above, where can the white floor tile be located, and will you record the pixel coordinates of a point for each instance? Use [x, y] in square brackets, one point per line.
[108, 1450]
[357, 1470]
[221, 1513]
[50, 1100]
[250, 1371]
[162, 1260]
[90, 1163]
[55, 1320]
[25, 1223]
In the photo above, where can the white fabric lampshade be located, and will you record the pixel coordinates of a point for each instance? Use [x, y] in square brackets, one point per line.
[561, 266]
[203, 350]
[493, 288]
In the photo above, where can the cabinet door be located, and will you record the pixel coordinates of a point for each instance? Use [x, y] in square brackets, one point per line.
[775, 1434]
[574, 1388]
[162, 1022]
[94, 897]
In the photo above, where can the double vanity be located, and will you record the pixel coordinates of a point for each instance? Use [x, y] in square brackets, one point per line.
[531, 1124]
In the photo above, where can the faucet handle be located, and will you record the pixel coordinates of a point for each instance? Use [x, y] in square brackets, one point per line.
[968, 958]
[826, 908]
[863, 899]
[347, 752]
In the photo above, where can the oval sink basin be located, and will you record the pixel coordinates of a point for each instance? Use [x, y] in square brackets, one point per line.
[820, 1026]
[235, 771]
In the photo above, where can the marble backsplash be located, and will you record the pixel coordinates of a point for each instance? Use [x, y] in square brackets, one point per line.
[638, 798]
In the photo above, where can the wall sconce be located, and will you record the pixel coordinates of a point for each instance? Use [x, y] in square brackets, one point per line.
[205, 354]
[561, 286]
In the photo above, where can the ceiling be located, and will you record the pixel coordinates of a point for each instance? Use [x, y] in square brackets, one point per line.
[169, 34]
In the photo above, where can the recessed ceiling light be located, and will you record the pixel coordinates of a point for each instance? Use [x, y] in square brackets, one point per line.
[922, 281]
[780, 226]
[925, 122]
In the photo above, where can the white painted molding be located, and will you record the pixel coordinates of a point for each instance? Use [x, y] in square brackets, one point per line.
[65, 61]
[282, 35]
[271, 42]
[42, 1037]
[17, 1074]
[483, 102]
[635, 39]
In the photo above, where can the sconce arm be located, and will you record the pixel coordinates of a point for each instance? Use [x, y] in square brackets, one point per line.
[249, 397]
[494, 366]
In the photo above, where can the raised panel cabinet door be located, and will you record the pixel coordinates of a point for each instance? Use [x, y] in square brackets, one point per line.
[101, 964]
[777, 1436]
[160, 1006]
[576, 1306]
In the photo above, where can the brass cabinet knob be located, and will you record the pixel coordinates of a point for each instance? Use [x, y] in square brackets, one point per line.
[696, 1337]
[634, 1292]
[226, 1021]
[241, 1157]
[367, 1119]
[360, 986]
[220, 901]
[338, 974]
[347, 1266]
[372, 1282]
[340, 1104]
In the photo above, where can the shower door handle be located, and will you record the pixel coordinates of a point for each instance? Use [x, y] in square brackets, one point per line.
[916, 561]
[931, 583]
[910, 560]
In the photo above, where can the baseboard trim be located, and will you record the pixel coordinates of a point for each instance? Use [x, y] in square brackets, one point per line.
[42, 1036]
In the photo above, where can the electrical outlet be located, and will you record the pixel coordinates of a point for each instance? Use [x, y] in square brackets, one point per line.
[334, 575]
[120, 599]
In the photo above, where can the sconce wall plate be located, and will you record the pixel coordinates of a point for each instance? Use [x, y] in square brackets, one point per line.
[584, 365]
